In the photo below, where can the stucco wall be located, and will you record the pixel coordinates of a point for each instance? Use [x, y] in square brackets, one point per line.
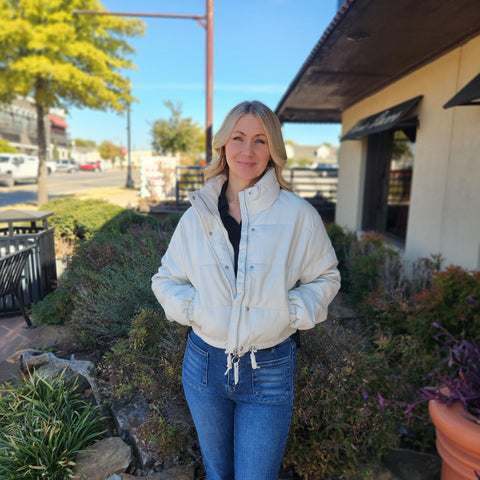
[445, 201]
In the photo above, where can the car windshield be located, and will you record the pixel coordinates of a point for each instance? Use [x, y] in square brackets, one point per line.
[4, 159]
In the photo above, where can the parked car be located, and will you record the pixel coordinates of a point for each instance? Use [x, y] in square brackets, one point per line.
[327, 169]
[93, 166]
[51, 167]
[17, 168]
[68, 166]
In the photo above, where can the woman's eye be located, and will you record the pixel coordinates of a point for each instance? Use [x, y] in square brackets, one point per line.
[237, 138]
[259, 140]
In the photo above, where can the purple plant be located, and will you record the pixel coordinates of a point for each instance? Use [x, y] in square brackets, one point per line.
[463, 384]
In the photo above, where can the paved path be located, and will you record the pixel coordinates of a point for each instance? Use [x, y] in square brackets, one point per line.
[14, 336]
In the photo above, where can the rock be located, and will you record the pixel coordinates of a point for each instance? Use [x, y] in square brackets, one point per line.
[129, 418]
[103, 459]
[69, 376]
[174, 473]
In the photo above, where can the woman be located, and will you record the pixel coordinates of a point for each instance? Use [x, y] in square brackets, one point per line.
[249, 264]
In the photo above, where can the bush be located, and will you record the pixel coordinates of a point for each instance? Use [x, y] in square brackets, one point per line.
[44, 424]
[453, 301]
[55, 309]
[333, 429]
[76, 219]
[107, 281]
[149, 363]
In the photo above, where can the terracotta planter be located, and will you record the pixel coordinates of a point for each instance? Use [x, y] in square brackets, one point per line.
[458, 441]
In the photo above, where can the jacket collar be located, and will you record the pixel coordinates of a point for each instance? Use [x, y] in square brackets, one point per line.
[257, 198]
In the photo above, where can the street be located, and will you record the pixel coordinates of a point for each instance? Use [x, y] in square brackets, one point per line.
[65, 184]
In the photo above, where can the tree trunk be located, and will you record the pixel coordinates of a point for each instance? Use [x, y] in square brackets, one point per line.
[42, 155]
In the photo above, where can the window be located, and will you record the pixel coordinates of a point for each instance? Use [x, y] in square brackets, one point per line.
[388, 179]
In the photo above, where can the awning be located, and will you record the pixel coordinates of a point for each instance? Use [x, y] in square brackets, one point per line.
[58, 122]
[382, 121]
[468, 95]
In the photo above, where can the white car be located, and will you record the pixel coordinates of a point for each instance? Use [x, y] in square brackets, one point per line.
[51, 167]
[17, 168]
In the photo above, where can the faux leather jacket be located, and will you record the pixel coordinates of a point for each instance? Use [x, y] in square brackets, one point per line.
[286, 275]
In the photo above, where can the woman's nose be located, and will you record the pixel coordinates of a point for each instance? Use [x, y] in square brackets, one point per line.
[247, 148]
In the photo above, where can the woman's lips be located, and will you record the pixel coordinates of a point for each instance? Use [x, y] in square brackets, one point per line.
[246, 164]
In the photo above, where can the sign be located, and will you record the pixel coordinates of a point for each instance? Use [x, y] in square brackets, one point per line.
[381, 121]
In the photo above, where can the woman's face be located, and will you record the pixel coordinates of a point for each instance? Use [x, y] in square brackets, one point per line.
[247, 151]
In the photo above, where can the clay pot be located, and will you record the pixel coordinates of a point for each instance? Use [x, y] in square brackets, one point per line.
[458, 440]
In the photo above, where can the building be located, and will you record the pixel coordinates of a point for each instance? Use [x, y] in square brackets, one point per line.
[18, 125]
[403, 79]
[312, 155]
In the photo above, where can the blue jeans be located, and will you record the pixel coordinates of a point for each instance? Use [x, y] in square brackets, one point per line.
[243, 427]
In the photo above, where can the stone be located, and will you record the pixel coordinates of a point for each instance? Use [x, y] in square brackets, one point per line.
[174, 473]
[129, 417]
[105, 458]
[49, 370]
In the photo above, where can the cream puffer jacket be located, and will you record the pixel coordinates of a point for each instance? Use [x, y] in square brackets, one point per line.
[286, 277]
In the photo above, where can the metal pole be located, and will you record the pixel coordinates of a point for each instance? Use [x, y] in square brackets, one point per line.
[209, 81]
[130, 183]
[208, 25]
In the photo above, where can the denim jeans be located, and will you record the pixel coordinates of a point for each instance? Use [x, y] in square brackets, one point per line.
[243, 427]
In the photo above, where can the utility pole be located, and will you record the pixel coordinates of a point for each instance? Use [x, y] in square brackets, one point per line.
[206, 21]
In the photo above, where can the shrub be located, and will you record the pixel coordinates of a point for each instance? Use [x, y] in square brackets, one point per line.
[333, 428]
[365, 260]
[453, 301]
[107, 281]
[149, 363]
[56, 308]
[44, 424]
[76, 219]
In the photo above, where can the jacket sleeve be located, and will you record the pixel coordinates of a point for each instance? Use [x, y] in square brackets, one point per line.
[171, 284]
[318, 284]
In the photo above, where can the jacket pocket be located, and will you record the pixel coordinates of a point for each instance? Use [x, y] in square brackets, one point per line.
[195, 366]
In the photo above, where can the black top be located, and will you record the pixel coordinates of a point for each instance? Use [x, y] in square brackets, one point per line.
[233, 228]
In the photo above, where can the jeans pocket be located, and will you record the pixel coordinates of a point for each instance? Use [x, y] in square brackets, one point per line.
[272, 381]
[195, 366]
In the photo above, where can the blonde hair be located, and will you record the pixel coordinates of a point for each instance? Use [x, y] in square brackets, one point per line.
[272, 127]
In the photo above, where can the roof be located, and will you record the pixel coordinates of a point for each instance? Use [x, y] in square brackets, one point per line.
[369, 45]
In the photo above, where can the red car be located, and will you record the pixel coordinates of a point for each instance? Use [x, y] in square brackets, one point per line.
[93, 166]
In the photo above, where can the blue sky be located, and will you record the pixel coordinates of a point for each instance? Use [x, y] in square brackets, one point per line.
[259, 46]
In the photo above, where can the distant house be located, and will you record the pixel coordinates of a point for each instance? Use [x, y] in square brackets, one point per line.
[311, 155]
[403, 78]
[18, 125]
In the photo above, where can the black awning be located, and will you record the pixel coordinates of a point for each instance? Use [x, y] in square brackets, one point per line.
[468, 95]
[382, 121]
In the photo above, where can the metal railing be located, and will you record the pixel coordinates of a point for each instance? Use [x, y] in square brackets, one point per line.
[40, 272]
[188, 179]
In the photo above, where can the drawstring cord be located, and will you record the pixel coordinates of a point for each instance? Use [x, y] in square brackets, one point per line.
[233, 361]
[253, 360]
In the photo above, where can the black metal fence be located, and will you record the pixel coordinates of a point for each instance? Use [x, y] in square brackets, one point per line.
[188, 179]
[319, 186]
[40, 272]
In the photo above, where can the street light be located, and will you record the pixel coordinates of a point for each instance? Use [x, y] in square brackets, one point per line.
[130, 183]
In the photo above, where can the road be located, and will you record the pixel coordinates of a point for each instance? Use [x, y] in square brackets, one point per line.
[64, 184]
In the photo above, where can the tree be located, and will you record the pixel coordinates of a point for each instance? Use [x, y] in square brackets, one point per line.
[82, 142]
[110, 151]
[6, 148]
[62, 58]
[177, 134]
